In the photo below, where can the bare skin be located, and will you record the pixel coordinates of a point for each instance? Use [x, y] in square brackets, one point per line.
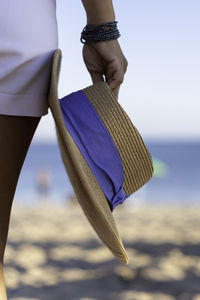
[106, 59]
[16, 133]
[103, 59]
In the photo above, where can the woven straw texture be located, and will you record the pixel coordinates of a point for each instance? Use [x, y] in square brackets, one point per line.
[136, 159]
[87, 189]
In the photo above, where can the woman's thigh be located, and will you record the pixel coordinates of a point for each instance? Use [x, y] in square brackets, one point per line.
[16, 133]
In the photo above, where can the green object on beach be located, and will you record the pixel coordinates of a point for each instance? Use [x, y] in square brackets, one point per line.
[160, 168]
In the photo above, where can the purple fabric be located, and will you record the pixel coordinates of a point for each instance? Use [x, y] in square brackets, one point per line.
[96, 144]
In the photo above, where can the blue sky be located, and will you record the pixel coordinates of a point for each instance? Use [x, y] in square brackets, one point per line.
[161, 88]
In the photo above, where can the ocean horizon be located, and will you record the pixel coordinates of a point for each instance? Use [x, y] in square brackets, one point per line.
[177, 179]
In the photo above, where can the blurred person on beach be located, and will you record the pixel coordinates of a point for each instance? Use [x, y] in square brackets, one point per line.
[104, 61]
[43, 182]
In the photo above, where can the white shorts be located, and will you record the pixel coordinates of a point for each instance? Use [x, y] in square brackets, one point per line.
[28, 39]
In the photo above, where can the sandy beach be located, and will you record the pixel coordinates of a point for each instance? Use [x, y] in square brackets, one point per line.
[53, 253]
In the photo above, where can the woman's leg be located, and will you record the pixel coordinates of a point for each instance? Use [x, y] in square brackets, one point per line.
[16, 133]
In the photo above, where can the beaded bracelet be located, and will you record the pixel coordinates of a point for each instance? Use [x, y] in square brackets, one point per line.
[97, 33]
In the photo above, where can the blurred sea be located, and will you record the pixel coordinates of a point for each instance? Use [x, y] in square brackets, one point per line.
[179, 181]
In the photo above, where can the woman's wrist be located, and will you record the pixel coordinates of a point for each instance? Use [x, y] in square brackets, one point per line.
[99, 20]
[98, 33]
[99, 11]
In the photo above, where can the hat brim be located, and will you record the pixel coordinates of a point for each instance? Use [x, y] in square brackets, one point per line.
[87, 189]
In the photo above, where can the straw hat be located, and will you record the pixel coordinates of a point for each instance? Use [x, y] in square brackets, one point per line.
[103, 153]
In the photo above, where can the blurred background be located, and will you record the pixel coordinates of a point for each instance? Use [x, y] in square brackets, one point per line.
[52, 252]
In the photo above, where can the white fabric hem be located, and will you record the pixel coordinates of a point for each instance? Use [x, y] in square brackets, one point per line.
[23, 105]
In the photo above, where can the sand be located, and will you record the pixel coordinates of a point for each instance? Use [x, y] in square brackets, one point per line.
[53, 253]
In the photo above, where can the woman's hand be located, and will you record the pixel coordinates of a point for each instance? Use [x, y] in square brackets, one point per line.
[106, 58]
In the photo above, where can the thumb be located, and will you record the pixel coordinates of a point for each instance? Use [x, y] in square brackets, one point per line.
[116, 92]
[96, 77]
[116, 80]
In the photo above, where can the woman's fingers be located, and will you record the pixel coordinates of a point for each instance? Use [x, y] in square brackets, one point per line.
[116, 92]
[115, 76]
[106, 59]
[96, 77]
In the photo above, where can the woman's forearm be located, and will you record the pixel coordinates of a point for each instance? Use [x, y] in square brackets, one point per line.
[99, 11]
